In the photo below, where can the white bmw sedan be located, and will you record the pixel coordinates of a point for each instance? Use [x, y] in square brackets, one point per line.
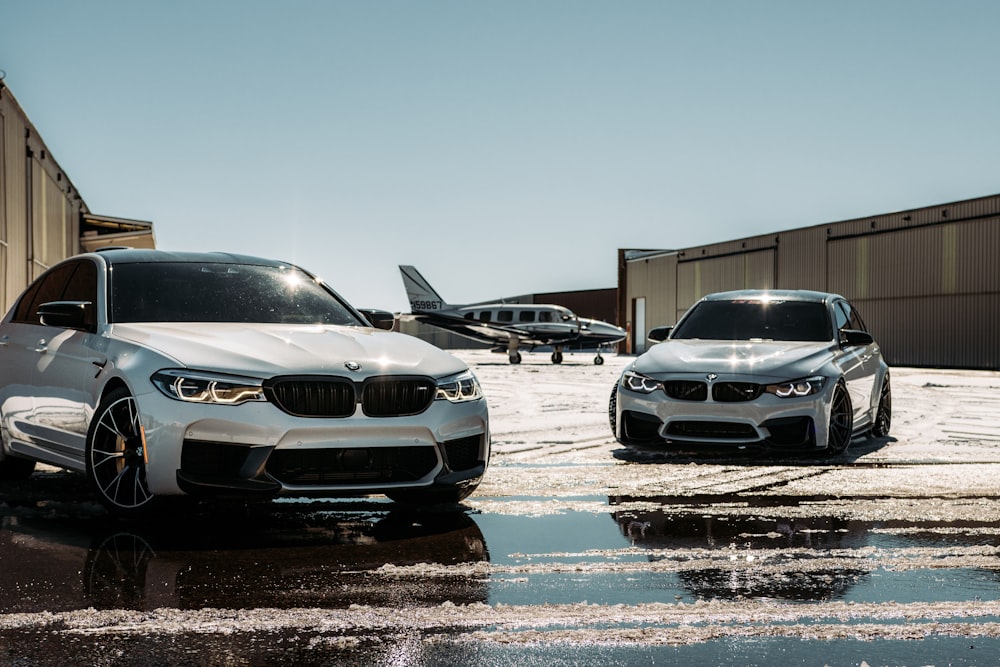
[788, 370]
[162, 374]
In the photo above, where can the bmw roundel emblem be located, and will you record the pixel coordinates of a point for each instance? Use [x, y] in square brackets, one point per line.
[352, 365]
[711, 377]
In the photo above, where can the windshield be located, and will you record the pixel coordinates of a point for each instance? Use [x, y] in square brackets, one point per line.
[756, 320]
[209, 292]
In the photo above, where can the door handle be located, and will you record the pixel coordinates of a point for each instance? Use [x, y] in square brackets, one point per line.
[42, 347]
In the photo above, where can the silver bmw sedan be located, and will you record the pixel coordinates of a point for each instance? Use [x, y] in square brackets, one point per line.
[781, 369]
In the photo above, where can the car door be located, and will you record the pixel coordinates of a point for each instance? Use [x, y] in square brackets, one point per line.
[859, 363]
[65, 366]
[18, 339]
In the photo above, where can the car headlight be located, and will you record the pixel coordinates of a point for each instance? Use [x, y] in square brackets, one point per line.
[202, 387]
[640, 383]
[796, 388]
[459, 388]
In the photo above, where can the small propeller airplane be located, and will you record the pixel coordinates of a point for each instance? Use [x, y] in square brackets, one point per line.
[508, 326]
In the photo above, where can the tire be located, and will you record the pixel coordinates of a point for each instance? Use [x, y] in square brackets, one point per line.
[557, 357]
[116, 464]
[841, 428]
[883, 415]
[515, 358]
[14, 469]
[613, 412]
[428, 497]
[598, 360]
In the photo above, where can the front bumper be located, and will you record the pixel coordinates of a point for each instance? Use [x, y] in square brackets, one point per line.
[255, 449]
[655, 419]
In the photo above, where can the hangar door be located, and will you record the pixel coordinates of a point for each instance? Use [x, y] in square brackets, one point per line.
[750, 270]
[929, 294]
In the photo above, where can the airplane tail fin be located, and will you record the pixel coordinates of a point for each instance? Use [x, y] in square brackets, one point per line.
[419, 292]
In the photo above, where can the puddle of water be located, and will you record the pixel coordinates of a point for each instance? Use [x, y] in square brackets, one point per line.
[282, 559]
[634, 557]
[954, 651]
[332, 555]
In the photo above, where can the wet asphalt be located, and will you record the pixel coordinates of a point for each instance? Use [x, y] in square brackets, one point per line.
[575, 551]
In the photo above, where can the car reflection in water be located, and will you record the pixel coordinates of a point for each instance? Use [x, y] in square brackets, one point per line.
[744, 549]
[277, 558]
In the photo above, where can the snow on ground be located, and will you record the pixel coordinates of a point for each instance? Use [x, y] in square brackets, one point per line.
[947, 421]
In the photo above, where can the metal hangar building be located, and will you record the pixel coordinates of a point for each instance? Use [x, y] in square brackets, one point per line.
[926, 281]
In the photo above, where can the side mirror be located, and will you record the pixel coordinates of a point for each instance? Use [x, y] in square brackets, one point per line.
[379, 319]
[855, 338]
[65, 314]
[659, 334]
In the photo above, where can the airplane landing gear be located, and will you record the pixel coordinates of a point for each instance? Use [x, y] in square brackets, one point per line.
[557, 355]
[599, 360]
[512, 350]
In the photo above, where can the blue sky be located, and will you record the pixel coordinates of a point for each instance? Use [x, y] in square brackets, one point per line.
[504, 147]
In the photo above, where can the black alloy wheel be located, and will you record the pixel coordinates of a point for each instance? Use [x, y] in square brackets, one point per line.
[613, 411]
[841, 421]
[883, 416]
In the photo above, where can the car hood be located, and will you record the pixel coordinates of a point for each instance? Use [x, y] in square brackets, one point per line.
[266, 350]
[772, 359]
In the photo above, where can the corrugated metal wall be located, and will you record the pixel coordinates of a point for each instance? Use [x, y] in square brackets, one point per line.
[39, 207]
[655, 275]
[695, 279]
[55, 219]
[801, 259]
[927, 281]
[4, 264]
[931, 293]
[598, 304]
[14, 188]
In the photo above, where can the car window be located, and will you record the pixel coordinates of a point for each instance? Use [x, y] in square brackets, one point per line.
[73, 281]
[209, 292]
[843, 318]
[23, 312]
[855, 318]
[749, 320]
[82, 286]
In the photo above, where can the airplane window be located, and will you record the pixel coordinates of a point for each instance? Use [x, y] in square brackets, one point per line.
[505, 316]
[470, 316]
[545, 316]
[526, 316]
